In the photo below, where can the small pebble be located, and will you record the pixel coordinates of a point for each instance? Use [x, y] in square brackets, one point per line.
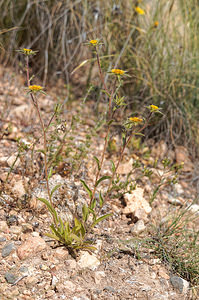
[12, 220]
[2, 239]
[7, 249]
[43, 267]
[180, 284]
[11, 278]
[54, 280]
[109, 289]
[23, 269]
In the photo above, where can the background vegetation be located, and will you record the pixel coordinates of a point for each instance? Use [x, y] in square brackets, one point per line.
[159, 49]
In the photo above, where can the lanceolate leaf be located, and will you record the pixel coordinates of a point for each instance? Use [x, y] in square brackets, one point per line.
[50, 208]
[50, 172]
[85, 212]
[53, 236]
[41, 150]
[86, 247]
[101, 200]
[113, 166]
[75, 237]
[77, 224]
[98, 162]
[86, 188]
[54, 189]
[56, 232]
[93, 203]
[93, 213]
[106, 93]
[139, 133]
[110, 122]
[101, 219]
[101, 179]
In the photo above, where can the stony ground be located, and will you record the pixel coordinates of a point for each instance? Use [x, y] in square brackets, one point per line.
[34, 267]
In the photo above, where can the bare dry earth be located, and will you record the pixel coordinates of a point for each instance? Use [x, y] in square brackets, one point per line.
[34, 267]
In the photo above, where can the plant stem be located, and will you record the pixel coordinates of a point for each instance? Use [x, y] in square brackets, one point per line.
[122, 154]
[27, 70]
[35, 102]
[100, 72]
[108, 129]
[45, 145]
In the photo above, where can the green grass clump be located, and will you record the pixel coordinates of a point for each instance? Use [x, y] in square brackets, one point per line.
[176, 242]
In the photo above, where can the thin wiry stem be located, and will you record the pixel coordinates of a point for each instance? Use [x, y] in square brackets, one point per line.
[35, 102]
[122, 154]
[109, 125]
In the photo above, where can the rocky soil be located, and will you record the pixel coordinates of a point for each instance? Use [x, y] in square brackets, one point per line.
[34, 267]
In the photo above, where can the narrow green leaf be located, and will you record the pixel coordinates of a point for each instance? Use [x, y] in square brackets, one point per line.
[86, 247]
[54, 237]
[41, 150]
[83, 231]
[77, 223]
[101, 179]
[85, 212]
[101, 199]
[75, 237]
[105, 92]
[67, 238]
[93, 213]
[93, 203]
[139, 133]
[47, 204]
[91, 210]
[56, 232]
[54, 189]
[67, 227]
[113, 168]
[61, 226]
[86, 188]
[50, 172]
[98, 162]
[50, 208]
[110, 122]
[101, 219]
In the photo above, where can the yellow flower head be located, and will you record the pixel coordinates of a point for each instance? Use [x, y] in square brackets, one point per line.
[156, 23]
[27, 51]
[135, 120]
[154, 107]
[117, 72]
[35, 88]
[94, 42]
[139, 10]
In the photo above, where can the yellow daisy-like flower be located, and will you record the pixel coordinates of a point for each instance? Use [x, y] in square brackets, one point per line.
[117, 72]
[35, 88]
[135, 119]
[139, 10]
[154, 107]
[94, 42]
[156, 23]
[27, 51]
